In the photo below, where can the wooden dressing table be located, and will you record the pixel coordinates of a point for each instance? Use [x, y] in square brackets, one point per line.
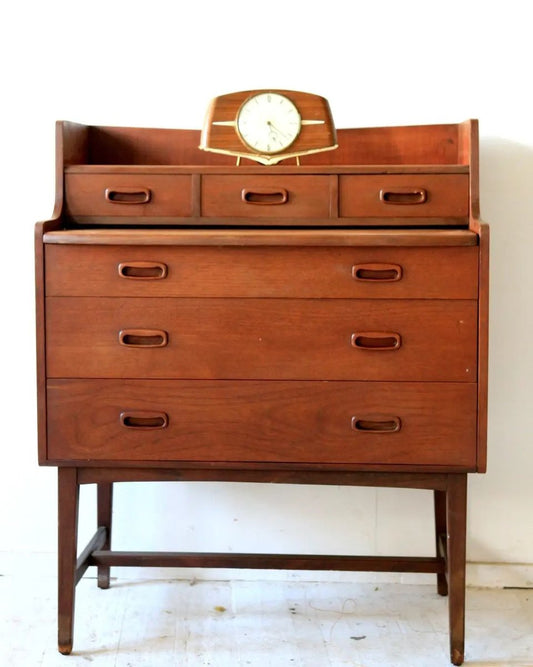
[319, 324]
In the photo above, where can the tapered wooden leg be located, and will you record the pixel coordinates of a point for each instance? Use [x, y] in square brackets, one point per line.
[68, 500]
[440, 536]
[105, 510]
[456, 519]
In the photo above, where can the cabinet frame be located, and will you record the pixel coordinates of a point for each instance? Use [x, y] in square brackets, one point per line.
[87, 152]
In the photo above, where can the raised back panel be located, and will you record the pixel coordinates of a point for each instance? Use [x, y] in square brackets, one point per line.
[125, 145]
[422, 144]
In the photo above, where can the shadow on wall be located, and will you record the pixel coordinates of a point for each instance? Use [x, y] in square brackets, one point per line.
[506, 184]
[499, 515]
[506, 180]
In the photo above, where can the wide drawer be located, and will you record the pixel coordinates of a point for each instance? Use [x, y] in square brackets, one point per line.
[261, 338]
[298, 422]
[266, 196]
[127, 196]
[415, 196]
[356, 272]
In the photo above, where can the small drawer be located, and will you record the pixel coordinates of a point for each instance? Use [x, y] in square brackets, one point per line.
[419, 197]
[305, 339]
[357, 272]
[127, 197]
[286, 422]
[263, 196]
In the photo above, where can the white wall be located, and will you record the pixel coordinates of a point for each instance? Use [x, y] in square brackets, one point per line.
[383, 63]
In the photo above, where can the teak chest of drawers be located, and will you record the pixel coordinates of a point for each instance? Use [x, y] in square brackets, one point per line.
[323, 323]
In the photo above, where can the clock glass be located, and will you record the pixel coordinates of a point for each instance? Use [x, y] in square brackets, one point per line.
[268, 122]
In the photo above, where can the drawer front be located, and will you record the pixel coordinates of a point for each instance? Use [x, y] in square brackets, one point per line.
[264, 196]
[128, 196]
[416, 196]
[299, 422]
[376, 273]
[261, 338]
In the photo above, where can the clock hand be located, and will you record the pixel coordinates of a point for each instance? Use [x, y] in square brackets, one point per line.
[276, 129]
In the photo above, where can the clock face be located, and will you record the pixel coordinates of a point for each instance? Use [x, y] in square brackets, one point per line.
[268, 122]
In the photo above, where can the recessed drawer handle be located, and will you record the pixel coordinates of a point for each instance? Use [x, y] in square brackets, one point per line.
[143, 338]
[376, 424]
[376, 340]
[143, 270]
[404, 196]
[124, 195]
[264, 196]
[143, 420]
[377, 272]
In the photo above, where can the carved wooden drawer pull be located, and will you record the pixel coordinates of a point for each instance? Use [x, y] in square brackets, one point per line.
[376, 424]
[265, 196]
[376, 340]
[402, 195]
[377, 272]
[143, 420]
[143, 338]
[143, 270]
[127, 195]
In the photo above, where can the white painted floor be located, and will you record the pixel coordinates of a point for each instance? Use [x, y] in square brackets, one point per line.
[154, 622]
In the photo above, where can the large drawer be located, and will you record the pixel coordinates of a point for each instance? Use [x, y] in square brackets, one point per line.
[415, 196]
[126, 196]
[337, 272]
[267, 196]
[261, 338]
[296, 422]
